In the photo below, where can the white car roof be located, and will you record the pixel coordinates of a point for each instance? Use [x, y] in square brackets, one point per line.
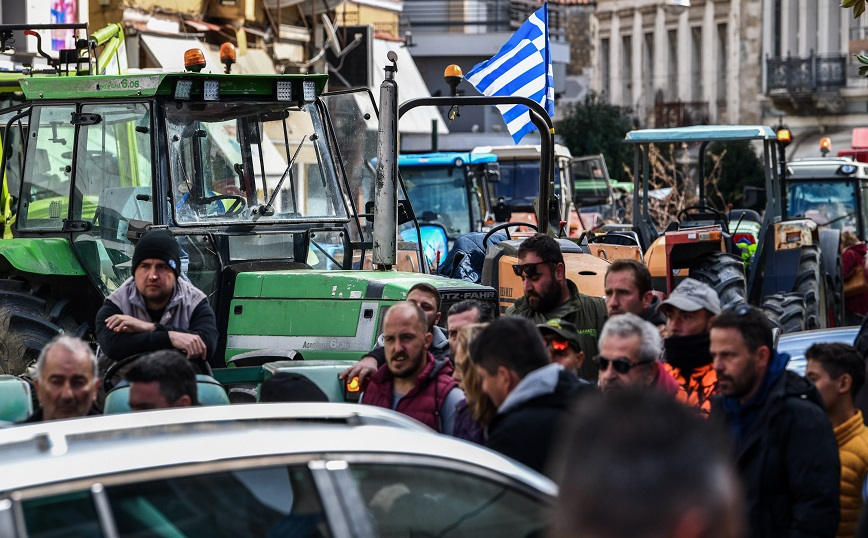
[80, 449]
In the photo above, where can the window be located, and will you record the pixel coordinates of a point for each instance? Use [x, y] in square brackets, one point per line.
[408, 500]
[46, 186]
[722, 53]
[260, 502]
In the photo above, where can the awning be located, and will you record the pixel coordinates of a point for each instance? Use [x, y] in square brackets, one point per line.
[168, 53]
[410, 86]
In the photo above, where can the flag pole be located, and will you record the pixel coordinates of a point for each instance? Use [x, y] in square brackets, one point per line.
[547, 53]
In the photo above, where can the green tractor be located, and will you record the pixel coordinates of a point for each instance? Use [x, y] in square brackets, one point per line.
[265, 181]
[789, 270]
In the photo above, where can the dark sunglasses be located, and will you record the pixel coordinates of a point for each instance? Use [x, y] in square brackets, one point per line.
[621, 364]
[558, 344]
[528, 269]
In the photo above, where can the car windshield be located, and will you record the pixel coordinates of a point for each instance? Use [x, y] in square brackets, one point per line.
[250, 162]
[439, 195]
[828, 203]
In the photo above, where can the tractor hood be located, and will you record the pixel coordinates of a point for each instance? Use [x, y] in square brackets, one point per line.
[326, 314]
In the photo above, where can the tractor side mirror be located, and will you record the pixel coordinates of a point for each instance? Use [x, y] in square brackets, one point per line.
[751, 196]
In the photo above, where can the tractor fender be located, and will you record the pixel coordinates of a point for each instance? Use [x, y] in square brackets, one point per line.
[42, 256]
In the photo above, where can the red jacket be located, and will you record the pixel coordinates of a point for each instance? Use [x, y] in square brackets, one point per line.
[853, 258]
[696, 390]
[425, 399]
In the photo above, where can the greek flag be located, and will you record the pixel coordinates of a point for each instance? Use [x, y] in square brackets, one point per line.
[522, 67]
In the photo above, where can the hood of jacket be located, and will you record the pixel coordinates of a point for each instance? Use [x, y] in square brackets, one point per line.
[551, 379]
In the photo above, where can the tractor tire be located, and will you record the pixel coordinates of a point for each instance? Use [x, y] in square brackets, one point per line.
[811, 284]
[786, 311]
[723, 272]
[28, 322]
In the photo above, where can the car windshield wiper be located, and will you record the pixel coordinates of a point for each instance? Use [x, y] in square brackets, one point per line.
[268, 208]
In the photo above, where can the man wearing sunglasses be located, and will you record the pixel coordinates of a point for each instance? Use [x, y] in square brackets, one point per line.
[629, 356]
[562, 343]
[531, 394]
[785, 448]
[689, 310]
[548, 294]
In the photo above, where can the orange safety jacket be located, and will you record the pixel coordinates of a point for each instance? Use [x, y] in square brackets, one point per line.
[697, 389]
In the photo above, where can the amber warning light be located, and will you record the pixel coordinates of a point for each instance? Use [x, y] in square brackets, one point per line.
[825, 145]
[227, 56]
[194, 60]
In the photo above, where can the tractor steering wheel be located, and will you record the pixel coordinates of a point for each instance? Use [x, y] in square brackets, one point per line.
[504, 226]
[689, 212]
[108, 382]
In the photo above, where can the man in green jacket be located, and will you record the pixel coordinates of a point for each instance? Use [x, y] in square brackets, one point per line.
[549, 295]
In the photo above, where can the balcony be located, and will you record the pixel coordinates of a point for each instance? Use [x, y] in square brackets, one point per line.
[816, 73]
[479, 16]
[680, 114]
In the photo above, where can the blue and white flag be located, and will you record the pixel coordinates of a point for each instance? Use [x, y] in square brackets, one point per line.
[522, 67]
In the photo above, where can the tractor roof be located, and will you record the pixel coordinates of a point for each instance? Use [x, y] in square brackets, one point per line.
[702, 133]
[447, 158]
[150, 84]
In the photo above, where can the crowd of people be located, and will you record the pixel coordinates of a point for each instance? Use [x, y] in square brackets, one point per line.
[678, 408]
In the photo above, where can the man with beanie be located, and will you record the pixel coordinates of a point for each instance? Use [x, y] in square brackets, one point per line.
[689, 310]
[154, 309]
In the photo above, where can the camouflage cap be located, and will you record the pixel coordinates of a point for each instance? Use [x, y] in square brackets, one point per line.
[692, 295]
[564, 329]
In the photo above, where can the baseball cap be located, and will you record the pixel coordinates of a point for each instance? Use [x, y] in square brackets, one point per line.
[692, 295]
[564, 329]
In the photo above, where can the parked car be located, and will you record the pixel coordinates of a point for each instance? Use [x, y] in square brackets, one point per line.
[261, 470]
[798, 342]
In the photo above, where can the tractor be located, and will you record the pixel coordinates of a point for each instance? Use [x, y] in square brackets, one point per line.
[265, 181]
[786, 272]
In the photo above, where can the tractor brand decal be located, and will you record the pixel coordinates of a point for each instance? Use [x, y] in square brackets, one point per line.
[462, 295]
[505, 292]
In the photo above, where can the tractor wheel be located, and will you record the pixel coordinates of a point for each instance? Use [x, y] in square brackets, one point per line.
[786, 311]
[28, 322]
[811, 284]
[723, 272]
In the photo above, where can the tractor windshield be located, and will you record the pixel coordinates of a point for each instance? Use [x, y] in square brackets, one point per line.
[250, 163]
[828, 203]
[439, 195]
[519, 182]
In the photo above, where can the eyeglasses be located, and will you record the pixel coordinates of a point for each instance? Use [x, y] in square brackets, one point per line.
[529, 269]
[621, 364]
[558, 344]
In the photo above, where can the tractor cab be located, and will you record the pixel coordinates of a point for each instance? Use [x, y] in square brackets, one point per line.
[767, 259]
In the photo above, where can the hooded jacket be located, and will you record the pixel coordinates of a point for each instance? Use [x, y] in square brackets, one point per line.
[426, 400]
[587, 313]
[786, 454]
[652, 315]
[188, 311]
[525, 423]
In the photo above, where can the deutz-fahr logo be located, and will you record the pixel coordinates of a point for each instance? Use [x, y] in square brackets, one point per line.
[462, 295]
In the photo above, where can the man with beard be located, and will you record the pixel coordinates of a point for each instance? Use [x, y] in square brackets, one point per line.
[689, 311]
[630, 357]
[412, 381]
[785, 447]
[427, 298]
[548, 294]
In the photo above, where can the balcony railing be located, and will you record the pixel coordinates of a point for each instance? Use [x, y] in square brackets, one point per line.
[804, 75]
[680, 114]
[478, 16]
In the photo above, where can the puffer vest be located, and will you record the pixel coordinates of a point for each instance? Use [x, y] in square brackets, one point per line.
[185, 299]
[852, 437]
[424, 400]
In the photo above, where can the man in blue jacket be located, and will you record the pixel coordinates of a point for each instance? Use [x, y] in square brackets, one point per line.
[786, 451]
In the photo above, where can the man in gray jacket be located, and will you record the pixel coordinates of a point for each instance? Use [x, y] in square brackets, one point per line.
[155, 309]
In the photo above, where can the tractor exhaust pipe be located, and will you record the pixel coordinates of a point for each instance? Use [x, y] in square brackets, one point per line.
[386, 195]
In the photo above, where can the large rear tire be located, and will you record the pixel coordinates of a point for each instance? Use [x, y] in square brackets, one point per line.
[28, 322]
[786, 311]
[811, 284]
[725, 273]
